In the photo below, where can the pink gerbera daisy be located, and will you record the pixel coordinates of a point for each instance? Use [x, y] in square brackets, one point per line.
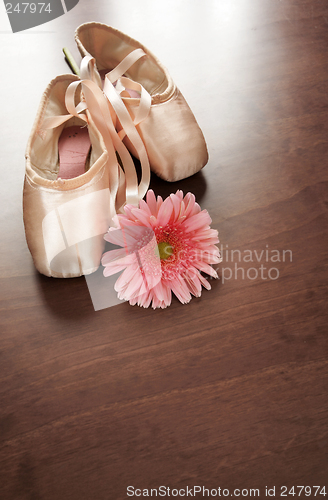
[165, 247]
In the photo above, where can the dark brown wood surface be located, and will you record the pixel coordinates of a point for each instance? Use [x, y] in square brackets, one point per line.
[229, 391]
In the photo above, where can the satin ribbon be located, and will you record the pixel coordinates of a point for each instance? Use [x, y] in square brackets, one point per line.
[105, 108]
[105, 119]
[125, 64]
[134, 193]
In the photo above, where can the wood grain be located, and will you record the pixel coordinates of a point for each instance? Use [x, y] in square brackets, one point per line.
[229, 391]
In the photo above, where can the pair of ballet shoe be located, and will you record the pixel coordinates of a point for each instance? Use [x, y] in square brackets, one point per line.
[79, 171]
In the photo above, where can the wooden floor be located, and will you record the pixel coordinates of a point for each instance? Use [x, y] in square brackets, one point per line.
[229, 391]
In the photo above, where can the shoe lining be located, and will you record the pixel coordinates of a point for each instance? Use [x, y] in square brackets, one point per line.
[44, 155]
[73, 149]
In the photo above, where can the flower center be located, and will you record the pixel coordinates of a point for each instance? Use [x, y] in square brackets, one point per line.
[165, 250]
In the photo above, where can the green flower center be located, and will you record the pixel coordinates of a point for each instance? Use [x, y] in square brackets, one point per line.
[165, 250]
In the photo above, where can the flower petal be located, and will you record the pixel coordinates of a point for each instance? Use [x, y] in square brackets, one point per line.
[112, 255]
[144, 206]
[151, 202]
[159, 203]
[193, 283]
[115, 236]
[176, 202]
[180, 289]
[202, 266]
[133, 288]
[127, 209]
[165, 212]
[206, 234]
[189, 201]
[204, 282]
[109, 271]
[197, 221]
[141, 215]
[145, 299]
[128, 274]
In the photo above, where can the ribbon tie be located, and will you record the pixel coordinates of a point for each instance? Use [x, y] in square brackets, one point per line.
[106, 109]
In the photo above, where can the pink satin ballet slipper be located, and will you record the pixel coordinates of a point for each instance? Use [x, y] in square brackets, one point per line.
[74, 185]
[174, 142]
[66, 205]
